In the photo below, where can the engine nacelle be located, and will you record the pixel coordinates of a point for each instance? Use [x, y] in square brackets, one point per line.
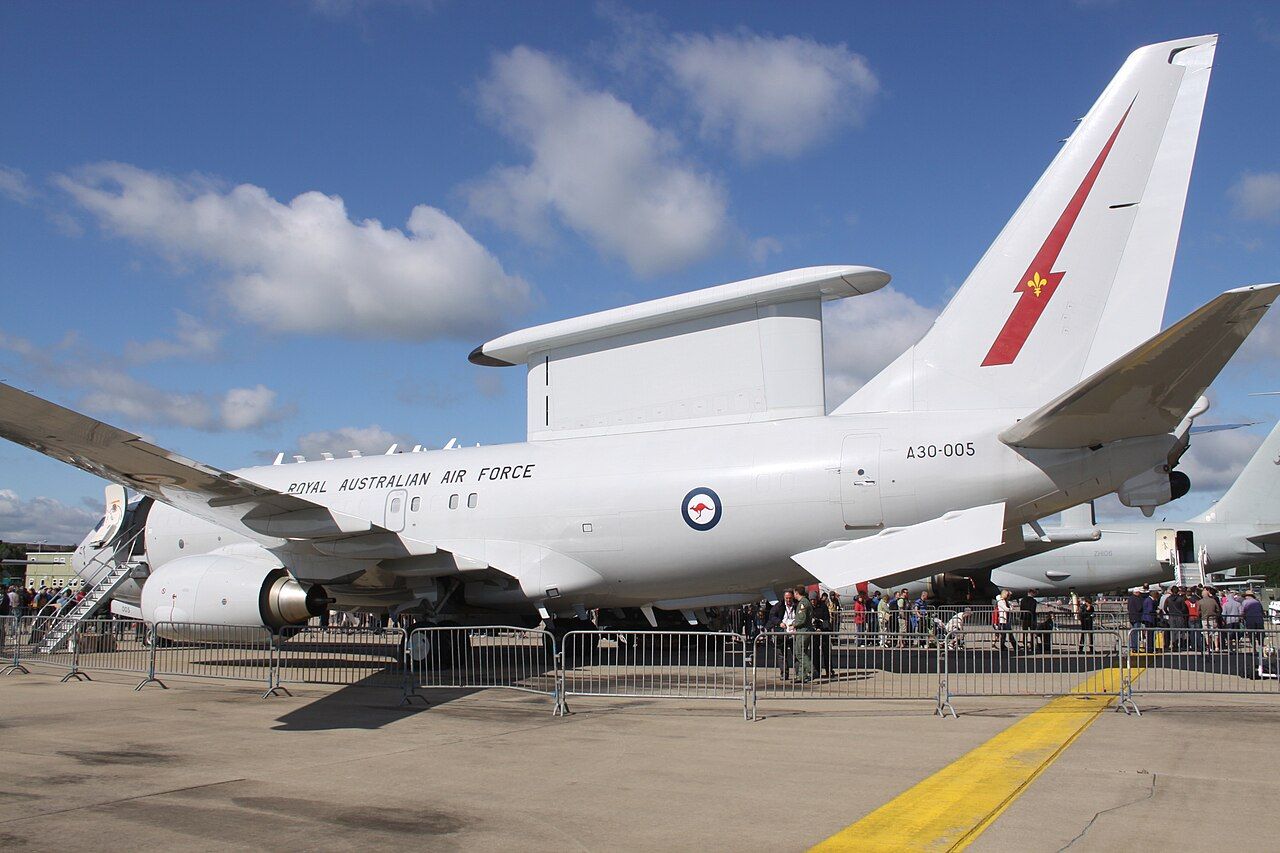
[1154, 488]
[229, 589]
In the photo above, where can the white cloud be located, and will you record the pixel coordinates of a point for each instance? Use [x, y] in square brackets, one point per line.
[43, 519]
[305, 266]
[343, 8]
[192, 338]
[15, 185]
[1214, 460]
[767, 95]
[597, 167]
[1257, 196]
[370, 440]
[108, 391]
[863, 334]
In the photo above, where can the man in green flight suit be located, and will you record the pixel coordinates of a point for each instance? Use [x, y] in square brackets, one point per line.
[803, 628]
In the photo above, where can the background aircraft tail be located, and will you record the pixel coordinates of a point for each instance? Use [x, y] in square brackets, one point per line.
[1079, 274]
[1254, 498]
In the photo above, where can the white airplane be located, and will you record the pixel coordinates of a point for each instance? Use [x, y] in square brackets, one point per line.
[1242, 527]
[679, 453]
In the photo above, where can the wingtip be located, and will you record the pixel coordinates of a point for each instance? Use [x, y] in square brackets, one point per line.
[480, 357]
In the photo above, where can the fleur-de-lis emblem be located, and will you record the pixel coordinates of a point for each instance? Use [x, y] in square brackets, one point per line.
[1036, 284]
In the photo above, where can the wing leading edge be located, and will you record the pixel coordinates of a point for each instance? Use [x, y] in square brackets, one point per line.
[201, 490]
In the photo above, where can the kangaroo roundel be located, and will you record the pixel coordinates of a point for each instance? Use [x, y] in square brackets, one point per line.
[701, 509]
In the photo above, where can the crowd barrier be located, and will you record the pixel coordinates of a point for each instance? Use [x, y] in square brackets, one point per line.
[480, 658]
[655, 665]
[927, 664]
[843, 665]
[340, 655]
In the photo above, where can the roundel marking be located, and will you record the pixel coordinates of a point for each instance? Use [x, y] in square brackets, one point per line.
[701, 509]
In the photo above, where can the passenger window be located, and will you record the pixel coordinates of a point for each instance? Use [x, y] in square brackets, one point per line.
[471, 501]
[453, 501]
[395, 504]
[415, 504]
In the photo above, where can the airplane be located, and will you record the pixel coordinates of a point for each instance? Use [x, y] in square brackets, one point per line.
[1243, 527]
[680, 454]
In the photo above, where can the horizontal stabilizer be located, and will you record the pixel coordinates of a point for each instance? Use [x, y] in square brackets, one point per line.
[903, 554]
[1150, 389]
[1271, 537]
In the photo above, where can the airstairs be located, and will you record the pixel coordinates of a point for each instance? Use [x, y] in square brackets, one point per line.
[122, 563]
[1188, 574]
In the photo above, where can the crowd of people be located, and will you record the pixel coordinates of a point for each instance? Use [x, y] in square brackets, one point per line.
[1198, 618]
[19, 600]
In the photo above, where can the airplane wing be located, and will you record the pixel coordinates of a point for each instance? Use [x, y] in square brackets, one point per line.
[903, 554]
[1150, 389]
[1201, 429]
[201, 490]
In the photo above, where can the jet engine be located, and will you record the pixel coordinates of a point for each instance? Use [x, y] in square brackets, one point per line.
[230, 589]
[1154, 488]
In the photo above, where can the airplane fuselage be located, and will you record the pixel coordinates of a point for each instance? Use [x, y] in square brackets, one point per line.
[1129, 554]
[603, 521]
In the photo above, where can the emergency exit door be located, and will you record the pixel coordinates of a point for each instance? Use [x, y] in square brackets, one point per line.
[860, 481]
[394, 518]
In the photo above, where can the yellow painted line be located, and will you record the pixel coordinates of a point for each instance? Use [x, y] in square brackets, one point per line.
[951, 808]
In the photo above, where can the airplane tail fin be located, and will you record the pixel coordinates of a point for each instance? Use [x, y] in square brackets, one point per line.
[1079, 274]
[1254, 498]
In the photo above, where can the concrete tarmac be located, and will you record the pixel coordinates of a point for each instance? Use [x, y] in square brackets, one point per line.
[213, 767]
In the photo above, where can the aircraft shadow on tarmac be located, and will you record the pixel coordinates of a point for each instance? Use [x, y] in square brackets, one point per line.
[362, 706]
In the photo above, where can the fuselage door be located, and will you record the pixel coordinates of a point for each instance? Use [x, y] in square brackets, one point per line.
[396, 501]
[860, 481]
[1167, 547]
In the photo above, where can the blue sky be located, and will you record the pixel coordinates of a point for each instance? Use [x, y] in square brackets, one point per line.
[239, 228]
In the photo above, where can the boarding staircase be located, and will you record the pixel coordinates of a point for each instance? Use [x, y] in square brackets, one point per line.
[1188, 574]
[122, 563]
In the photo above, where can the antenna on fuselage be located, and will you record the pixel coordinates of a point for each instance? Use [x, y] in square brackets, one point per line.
[279, 458]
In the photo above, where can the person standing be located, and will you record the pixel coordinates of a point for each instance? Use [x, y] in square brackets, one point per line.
[920, 610]
[883, 618]
[1232, 611]
[1028, 606]
[1175, 610]
[1210, 618]
[1084, 614]
[860, 618]
[1149, 620]
[1004, 621]
[781, 622]
[803, 628]
[1134, 605]
[1251, 615]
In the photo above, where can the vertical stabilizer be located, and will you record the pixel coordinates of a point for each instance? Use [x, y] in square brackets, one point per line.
[1079, 274]
[1254, 498]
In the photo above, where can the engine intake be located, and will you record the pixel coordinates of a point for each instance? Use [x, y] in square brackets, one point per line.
[230, 589]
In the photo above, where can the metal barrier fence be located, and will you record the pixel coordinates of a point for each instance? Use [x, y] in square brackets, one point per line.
[370, 657]
[112, 645]
[993, 662]
[975, 660]
[224, 652]
[23, 636]
[1205, 660]
[655, 665]
[842, 665]
[483, 657]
